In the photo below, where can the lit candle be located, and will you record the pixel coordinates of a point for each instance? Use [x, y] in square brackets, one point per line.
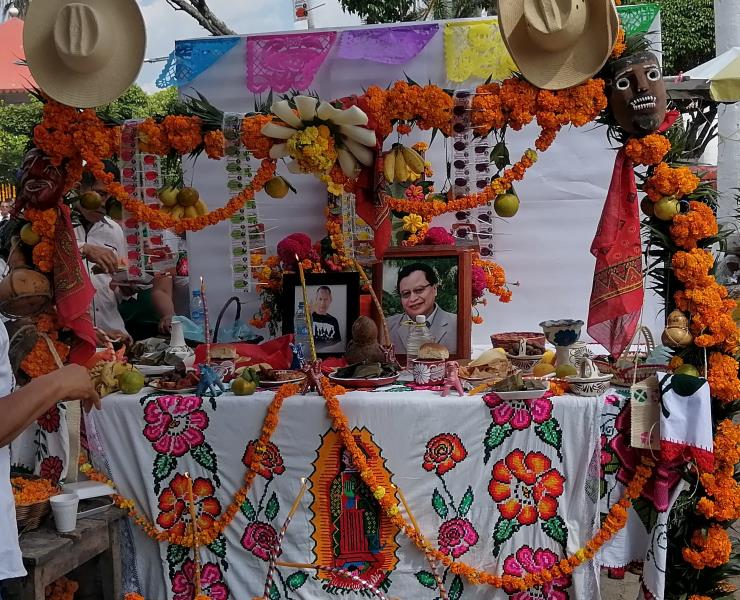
[194, 528]
[309, 320]
[206, 320]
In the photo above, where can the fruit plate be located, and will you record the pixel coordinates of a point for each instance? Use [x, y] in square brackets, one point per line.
[154, 370]
[298, 377]
[374, 382]
[186, 390]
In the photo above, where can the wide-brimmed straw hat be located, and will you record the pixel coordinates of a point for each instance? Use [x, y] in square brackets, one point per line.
[558, 43]
[84, 54]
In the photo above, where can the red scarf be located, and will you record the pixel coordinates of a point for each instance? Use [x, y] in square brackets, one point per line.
[617, 292]
[73, 291]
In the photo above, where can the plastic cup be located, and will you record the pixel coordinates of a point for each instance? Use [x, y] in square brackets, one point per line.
[64, 507]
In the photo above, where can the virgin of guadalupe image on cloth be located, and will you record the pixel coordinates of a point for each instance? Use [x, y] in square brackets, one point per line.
[350, 530]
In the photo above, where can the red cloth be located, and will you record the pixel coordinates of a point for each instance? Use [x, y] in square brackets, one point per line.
[617, 294]
[73, 290]
[276, 353]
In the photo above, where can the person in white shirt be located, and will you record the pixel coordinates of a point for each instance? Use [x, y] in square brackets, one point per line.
[102, 245]
[20, 408]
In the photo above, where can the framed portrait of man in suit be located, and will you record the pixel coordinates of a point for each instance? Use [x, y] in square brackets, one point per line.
[433, 281]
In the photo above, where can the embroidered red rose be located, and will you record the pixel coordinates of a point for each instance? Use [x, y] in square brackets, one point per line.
[260, 539]
[456, 536]
[173, 505]
[211, 581]
[51, 468]
[443, 452]
[271, 463]
[175, 424]
[519, 413]
[526, 487]
[49, 421]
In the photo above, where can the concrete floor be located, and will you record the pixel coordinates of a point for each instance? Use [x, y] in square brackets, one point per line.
[625, 589]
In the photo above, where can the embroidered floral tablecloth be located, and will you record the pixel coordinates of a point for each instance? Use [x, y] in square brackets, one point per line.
[507, 486]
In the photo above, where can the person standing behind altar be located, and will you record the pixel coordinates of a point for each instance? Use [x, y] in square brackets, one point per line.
[417, 287]
[103, 247]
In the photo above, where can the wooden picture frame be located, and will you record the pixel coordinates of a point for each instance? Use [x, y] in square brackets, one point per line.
[342, 312]
[451, 282]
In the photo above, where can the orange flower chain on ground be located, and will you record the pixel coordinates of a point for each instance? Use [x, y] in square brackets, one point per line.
[670, 181]
[31, 491]
[648, 150]
[697, 224]
[207, 535]
[614, 522]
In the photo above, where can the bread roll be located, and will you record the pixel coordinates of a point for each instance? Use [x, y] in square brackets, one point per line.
[431, 351]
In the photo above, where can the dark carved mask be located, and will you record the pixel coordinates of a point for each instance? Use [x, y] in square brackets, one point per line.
[637, 94]
[42, 184]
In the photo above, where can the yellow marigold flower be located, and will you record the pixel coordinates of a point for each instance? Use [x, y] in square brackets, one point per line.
[412, 223]
[379, 492]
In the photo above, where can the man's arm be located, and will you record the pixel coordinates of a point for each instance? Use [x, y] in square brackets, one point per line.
[24, 406]
[162, 300]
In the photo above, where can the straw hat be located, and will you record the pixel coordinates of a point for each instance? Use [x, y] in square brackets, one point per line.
[84, 54]
[558, 43]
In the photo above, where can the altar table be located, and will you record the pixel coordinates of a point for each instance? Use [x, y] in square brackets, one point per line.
[509, 487]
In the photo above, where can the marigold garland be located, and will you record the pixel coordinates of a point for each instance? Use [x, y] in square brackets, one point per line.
[614, 522]
[708, 550]
[207, 536]
[495, 277]
[693, 226]
[723, 378]
[648, 150]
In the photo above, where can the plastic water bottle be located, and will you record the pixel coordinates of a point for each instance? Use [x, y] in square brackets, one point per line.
[418, 336]
[300, 327]
[197, 315]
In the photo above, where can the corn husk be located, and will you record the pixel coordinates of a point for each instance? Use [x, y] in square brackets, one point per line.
[306, 106]
[284, 112]
[279, 132]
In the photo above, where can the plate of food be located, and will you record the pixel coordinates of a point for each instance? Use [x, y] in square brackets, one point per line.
[365, 375]
[516, 387]
[178, 380]
[272, 378]
[490, 365]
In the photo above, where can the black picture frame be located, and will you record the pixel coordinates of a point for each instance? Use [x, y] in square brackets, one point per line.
[345, 289]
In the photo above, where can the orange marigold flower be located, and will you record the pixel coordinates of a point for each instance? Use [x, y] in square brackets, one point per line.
[252, 138]
[214, 142]
[648, 150]
[670, 181]
[697, 224]
[710, 550]
[723, 379]
[152, 138]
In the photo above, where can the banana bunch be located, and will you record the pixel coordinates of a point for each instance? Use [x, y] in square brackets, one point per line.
[401, 164]
[105, 375]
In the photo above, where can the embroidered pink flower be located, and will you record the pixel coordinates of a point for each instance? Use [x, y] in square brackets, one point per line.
[666, 474]
[49, 421]
[444, 451]
[260, 538]
[606, 456]
[211, 581]
[175, 424]
[518, 413]
[527, 561]
[456, 536]
[51, 468]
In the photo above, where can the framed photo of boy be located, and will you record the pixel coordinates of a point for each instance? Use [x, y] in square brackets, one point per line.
[334, 302]
[433, 281]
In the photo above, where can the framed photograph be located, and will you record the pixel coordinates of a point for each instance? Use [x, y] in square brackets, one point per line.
[429, 280]
[334, 302]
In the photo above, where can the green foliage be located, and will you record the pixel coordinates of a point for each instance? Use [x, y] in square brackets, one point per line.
[18, 120]
[392, 11]
[381, 11]
[687, 31]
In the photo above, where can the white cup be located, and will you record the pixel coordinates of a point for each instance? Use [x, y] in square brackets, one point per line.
[64, 507]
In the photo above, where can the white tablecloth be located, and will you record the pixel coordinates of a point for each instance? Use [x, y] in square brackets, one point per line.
[487, 458]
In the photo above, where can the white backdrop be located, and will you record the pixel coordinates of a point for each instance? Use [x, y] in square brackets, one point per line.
[545, 247]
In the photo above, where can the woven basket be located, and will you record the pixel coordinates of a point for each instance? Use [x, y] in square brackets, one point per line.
[627, 369]
[29, 516]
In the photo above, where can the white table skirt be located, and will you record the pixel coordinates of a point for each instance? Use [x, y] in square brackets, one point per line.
[458, 502]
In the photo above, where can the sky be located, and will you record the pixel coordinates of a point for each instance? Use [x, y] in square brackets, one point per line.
[165, 25]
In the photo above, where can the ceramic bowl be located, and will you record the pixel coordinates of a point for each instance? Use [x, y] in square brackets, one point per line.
[593, 386]
[563, 332]
[509, 341]
[525, 363]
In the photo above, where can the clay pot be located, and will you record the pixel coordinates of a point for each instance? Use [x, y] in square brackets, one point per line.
[24, 293]
[676, 333]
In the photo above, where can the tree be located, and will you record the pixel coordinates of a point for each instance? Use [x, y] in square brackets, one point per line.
[201, 12]
[21, 5]
[687, 31]
[391, 11]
